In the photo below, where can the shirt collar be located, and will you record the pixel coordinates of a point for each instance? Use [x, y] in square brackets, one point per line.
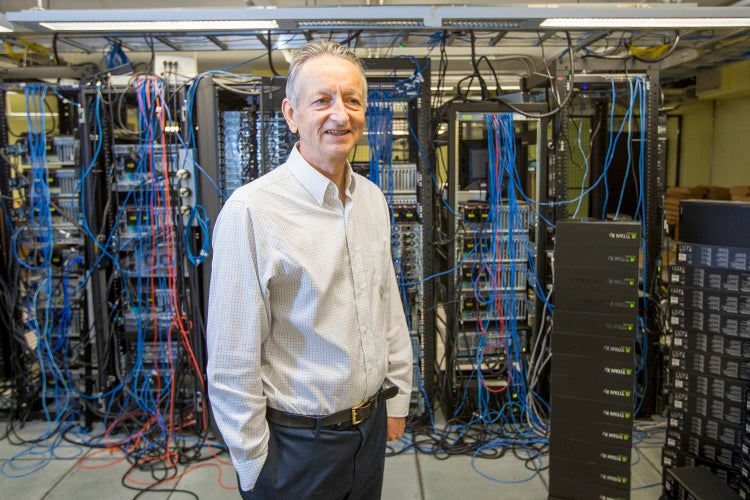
[314, 182]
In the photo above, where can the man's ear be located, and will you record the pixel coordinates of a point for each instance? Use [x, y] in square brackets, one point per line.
[288, 110]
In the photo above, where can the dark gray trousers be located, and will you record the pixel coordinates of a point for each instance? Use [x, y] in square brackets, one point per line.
[333, 463]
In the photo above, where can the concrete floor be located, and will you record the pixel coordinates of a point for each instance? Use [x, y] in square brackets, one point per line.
[58, 470]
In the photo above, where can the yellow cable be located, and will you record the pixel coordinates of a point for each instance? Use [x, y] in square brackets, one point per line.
[654, 52]
[30, 47]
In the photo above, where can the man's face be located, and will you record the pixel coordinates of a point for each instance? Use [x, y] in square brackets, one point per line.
[330, 114]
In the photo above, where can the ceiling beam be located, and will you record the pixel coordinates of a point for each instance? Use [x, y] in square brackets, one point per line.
[495, 39]
[592, 38]
[168, 43]
[217, 42]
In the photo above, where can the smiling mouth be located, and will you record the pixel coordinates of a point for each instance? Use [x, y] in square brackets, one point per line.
[337, 132]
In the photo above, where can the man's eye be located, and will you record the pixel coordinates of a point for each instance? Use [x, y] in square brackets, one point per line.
[321, 100]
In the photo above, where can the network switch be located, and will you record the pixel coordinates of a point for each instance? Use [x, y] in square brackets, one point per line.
[713, 256]
[713, 343]
[709, 278]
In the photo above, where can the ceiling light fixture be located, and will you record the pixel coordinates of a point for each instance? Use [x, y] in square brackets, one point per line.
[5, 26]
[645, 22]
[218, 25]
[357, 23]
[525, 18]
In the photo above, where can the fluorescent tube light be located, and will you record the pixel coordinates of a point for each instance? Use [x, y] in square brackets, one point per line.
[161, 25]
[5, 26]
[645, 22]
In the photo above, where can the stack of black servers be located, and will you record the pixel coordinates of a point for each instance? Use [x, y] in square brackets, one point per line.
[709, 317]
[593, 359]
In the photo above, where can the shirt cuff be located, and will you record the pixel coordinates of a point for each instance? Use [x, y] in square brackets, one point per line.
[248, 471]
[398, 406]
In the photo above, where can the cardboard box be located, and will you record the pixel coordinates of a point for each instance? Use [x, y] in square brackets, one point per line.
[739, 193]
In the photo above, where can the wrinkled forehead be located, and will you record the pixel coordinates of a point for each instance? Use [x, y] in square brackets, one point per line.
[326, 72]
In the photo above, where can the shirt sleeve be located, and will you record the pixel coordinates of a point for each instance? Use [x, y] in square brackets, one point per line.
[400, 356]
[236, 327]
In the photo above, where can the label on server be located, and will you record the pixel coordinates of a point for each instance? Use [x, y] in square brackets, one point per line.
[713, 343]
[709, 300]
[721, 257]
[725, 280]
[732, 325]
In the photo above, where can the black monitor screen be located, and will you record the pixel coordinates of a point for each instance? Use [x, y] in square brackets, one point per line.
[474, 161]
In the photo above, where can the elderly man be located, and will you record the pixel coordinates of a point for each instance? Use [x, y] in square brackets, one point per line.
[307, 337]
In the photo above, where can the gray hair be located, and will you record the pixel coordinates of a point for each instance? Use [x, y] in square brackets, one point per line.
[311, 50]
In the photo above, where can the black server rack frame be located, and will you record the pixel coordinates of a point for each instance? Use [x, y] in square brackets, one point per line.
[463, 225]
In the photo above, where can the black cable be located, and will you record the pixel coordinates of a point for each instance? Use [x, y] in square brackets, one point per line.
[54, 48]
[349, 39]
[269, 46]
[150, 42]
[571, 81]
[492, 69]
[482, 84]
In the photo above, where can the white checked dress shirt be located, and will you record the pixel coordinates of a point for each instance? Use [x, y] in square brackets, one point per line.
[304, 312]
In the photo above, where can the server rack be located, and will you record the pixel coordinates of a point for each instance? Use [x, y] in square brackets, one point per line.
[44, 262]
[466, 347]
[137, 184]
[600, 82]
[709, 357]
[402, 87]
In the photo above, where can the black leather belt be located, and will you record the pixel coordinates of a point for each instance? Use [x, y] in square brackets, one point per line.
[355, 415]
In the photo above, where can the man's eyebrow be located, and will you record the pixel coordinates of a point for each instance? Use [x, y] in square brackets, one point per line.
[352, 92]
[322, 92]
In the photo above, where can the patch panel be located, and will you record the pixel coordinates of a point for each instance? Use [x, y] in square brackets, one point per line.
[141, 166]
[59, 150]
[400, 178]
[508, 306]
[483, 246]
[482, 276]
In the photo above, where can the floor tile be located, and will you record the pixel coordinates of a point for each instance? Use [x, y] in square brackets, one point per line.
[460, 477]
[401, 479]
[35, 485]
[28, 432]
[213, 479]
[98, 479]
[644, 477]
[652, 455]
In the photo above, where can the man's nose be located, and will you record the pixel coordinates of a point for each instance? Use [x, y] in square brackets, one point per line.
[338, 111]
